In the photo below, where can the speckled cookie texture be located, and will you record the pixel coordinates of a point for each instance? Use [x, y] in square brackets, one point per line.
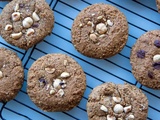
[11, 74]
[145, 59]
[56, 82]
[23, 23]
[111, 101]
[158, 5]
[100, 31]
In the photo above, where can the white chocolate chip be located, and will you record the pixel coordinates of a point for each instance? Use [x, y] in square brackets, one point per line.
[56, 83]
[35, 16]
[16, 8]
[60, 92]
[52, 91]
[27, 22]
[50, 70]
[1, 74]
[130, 117]
[65, 62]
[116, 99]
[93, 37]
[30, 31]
[127, 109]
[8, 27]
[16, 16]
[16, 35]
[64, 75]
[99, 17]
[64, 81]
[109, 23]
[101, 28]
[156, 58]
[118, 108]
[103, 108]
[109, 117]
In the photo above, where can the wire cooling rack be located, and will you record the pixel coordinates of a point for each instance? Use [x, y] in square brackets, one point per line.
[142, 16]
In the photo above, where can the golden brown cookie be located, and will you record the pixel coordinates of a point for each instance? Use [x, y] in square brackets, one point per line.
[56, 82]
[23, 23]
[111, 101]
[100, 31]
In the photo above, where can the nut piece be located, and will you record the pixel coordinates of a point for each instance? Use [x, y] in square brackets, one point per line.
[60, 92]
[130, 117]
[65, 62]
[103, 108]
[109, 23]
[16, 35]
[89, 23]
[50, 70]
[8, 27]
[118, 108]
[127, 109]
[156, 58]
[35, 17]
[16, 16]
[1, 74]
[101, 28]
[80, 25]
[109, 117]
[99, 17]
[56, 83]
[27, 22]
[52, 91]
[64, 86]
[64, 75]
[16, 8]
[30, 31]
[93, 37]
[116, 99]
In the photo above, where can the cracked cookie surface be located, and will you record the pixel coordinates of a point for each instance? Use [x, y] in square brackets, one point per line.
[23, 23]
[117, 102]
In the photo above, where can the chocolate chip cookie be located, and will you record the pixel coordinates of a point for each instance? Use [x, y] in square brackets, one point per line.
[100, 31]
[23, 23]
[56, 82]
[145, 59]
[11, 74]
[117, 102]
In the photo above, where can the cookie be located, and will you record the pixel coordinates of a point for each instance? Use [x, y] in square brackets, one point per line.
[100, 31]
[11, 75]
[145, 59]
[24, 23]
[111, 101]
[56, 82]
[158, 5]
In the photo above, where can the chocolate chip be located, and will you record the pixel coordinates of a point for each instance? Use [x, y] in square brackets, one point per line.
[156, 65]
[21, 5]
[157, 43]
[61, 83]
[35, 25]
[43, 81]
[141, 53]
[150, 74]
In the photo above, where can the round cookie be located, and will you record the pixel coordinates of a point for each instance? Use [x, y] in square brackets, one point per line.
[117, 102]
[56, 82]
[23, 23]
[158, 5]
[100, 31]
[145, 59]
[11, 74]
